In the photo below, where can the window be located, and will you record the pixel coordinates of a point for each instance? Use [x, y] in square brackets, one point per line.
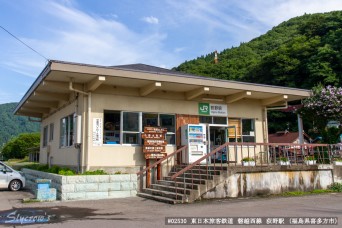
[45, 135]
[150, 120]
[130, 125]
[130, 129]
[168, 122]
[52, 126]
[67, 131]
[244, 130]
[112, 127]
[248, 130]
[213, 120]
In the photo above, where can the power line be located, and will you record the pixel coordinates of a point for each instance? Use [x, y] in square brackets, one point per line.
[24, 43]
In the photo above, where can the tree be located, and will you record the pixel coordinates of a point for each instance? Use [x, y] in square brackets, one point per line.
[19, 147]
[323, 106]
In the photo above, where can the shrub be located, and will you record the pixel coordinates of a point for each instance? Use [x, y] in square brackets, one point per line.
[54, 169]
[95, 172]
[336, 187]
[247, 159]
[63, 171]
[309, 158]
[283, 159]
[66, 172]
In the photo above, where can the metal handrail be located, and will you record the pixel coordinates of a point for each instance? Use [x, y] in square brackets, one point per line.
[198, 161]
[161, 160]
[308, 145]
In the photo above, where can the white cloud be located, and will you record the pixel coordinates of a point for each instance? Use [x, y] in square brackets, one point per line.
[151, 20]
[91, 39]
[179, 49]
[273, 12]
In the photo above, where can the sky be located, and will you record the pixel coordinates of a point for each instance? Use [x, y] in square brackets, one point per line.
[161, 33]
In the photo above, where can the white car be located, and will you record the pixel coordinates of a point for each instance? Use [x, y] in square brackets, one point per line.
[10, 178]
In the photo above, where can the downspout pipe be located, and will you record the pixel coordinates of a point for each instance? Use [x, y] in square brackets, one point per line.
[79, 145]
[76, 90]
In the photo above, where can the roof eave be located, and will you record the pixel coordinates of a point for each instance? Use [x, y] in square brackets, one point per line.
[33, 87]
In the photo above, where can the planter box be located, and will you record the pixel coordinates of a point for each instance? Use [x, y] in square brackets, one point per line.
[81, 187]
[284, 163]
[310, 162]
[337, 162]
[248, 163]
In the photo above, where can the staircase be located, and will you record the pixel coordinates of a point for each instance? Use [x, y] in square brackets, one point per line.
[186, 188]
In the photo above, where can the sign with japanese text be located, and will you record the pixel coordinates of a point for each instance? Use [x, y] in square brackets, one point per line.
[155, 155]
[97, 132]
[212, 109]
[154, 142]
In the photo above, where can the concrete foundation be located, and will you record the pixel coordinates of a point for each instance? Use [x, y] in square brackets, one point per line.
[248, 183]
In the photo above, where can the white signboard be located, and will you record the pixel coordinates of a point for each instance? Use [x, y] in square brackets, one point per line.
[218, 110]
[97, 132]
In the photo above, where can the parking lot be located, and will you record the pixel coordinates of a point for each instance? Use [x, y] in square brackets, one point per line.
[135, 211]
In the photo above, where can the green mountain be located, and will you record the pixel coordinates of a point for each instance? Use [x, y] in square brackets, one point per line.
[301, 52]
[11, 125]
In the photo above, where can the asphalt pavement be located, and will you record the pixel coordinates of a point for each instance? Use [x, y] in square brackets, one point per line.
[139, 212]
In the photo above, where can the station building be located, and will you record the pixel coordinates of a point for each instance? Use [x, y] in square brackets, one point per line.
[92, 117]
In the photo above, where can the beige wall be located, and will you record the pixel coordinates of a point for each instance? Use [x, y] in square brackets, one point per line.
[118, 155]
[128, 155]
[249, 109]
[67, 156]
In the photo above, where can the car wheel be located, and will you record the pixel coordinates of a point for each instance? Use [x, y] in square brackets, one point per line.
[15, 185]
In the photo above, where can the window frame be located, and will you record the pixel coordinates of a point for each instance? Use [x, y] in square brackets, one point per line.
[170, 135]
[45, 136]
[136, 132]
[239, 129]
[213, 120]
[51, 131]
[67, 137]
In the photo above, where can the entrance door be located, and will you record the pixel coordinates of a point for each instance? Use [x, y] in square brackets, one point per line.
[217, 136]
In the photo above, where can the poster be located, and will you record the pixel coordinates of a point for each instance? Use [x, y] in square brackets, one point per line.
[97, 132]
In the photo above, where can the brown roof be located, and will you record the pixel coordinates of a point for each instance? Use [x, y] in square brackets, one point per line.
[284, 137]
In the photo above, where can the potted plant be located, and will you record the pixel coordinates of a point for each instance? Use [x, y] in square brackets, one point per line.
[310, 160]
[338, 161]
[284, 161]
[248, 161]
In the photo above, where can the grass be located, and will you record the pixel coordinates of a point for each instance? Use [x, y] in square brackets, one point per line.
[29, 200]
[335, 187]
[63, 170]
[19, 163]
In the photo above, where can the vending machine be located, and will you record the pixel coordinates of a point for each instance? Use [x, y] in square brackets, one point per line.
[195, 137]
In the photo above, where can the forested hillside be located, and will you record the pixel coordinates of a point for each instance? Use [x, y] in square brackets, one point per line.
[11, 125]
[300, 52]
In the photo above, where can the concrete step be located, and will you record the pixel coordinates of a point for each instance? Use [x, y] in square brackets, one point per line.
[194, 176]
[201, 171]
[186, 180]
[217, 167]
[158, 198]
[166, 194]
[178, 184]
[168, 188]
